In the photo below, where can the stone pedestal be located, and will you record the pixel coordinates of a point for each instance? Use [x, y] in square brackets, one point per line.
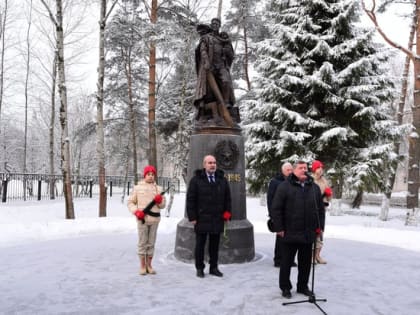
[227, 145]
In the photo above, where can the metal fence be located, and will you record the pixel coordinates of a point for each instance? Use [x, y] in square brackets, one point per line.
[19, 186]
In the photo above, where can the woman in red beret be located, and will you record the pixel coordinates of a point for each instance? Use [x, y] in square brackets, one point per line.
[147, 223]
[321, 181]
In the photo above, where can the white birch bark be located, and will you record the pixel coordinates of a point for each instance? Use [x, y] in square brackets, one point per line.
[384, 208]
[3, 21]
[62, 90]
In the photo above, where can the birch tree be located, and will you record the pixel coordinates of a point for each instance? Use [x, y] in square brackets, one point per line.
[52, 124]
[57, 21]
[399, 113]
[26, 90]
[413, 138]
[3, 20]
[219, 9]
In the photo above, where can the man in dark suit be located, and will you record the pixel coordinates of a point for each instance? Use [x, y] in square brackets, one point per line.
[298, 213]
[286, 170]
[208, 206]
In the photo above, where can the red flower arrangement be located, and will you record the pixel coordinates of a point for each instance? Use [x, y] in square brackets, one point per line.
[139, 214]
[328, 192]
[226, 215]
[158, 199]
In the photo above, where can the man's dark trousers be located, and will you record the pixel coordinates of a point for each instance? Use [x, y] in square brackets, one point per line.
[277, 251]
[288, 252]
[200, 243]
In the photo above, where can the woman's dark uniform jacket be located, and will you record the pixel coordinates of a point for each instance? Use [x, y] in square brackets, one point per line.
[206, 201]
[298, 210]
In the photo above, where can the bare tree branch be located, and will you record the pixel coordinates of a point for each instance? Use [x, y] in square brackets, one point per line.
[110, 10]
[53, 20]
[371, 14]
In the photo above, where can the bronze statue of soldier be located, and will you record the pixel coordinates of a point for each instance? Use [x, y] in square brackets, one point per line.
[216, 132]
[214, 91]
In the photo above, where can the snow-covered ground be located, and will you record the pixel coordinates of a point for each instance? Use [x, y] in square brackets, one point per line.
[49, 265]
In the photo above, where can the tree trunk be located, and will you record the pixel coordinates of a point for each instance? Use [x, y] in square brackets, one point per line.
[337, 185]
[413, 148]
[357, 201]
[62, 89]
[100, 150]
[399, 115]
[219, 10]
[404, 84]
[413, 139]
[78, 191]
[248, 81]
[28, 65]
[2, 34]
[132, 114]
[100, 138]
[411, 218]
[384, 209]
[335, 208]
[126, 167]
[152, 92]
[52, 124]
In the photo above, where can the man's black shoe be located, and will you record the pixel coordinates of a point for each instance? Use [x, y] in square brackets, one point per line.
[294, 264]
[305, 291]
[200, 273]
[216, 272]
[287, 294]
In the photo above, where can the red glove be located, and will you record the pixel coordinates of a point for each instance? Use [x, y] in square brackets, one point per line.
[139, 214]
[328, 192]
[226, 215]
[158, 199]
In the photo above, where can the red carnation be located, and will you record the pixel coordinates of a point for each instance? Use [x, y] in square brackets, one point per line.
[139, 214]
[226, 215]
[158, 199]
[328, 192]
[318, 231]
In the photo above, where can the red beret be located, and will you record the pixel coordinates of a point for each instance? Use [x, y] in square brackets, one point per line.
[316, 164]
[148, 169]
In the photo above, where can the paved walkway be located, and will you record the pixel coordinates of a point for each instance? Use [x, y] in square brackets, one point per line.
[98, 275]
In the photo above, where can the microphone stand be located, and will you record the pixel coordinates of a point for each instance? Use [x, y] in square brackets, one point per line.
[312, 298]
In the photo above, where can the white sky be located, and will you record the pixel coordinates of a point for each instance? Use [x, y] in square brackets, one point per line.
[49, 265]
[394, 24]
[81, 74]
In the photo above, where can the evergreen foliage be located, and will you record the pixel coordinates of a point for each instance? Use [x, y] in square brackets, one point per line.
[126, 36]
[323, 92]
[244, 22]
[175, 104]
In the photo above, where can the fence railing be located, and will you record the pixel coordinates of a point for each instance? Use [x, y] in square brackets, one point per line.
[19, 186]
